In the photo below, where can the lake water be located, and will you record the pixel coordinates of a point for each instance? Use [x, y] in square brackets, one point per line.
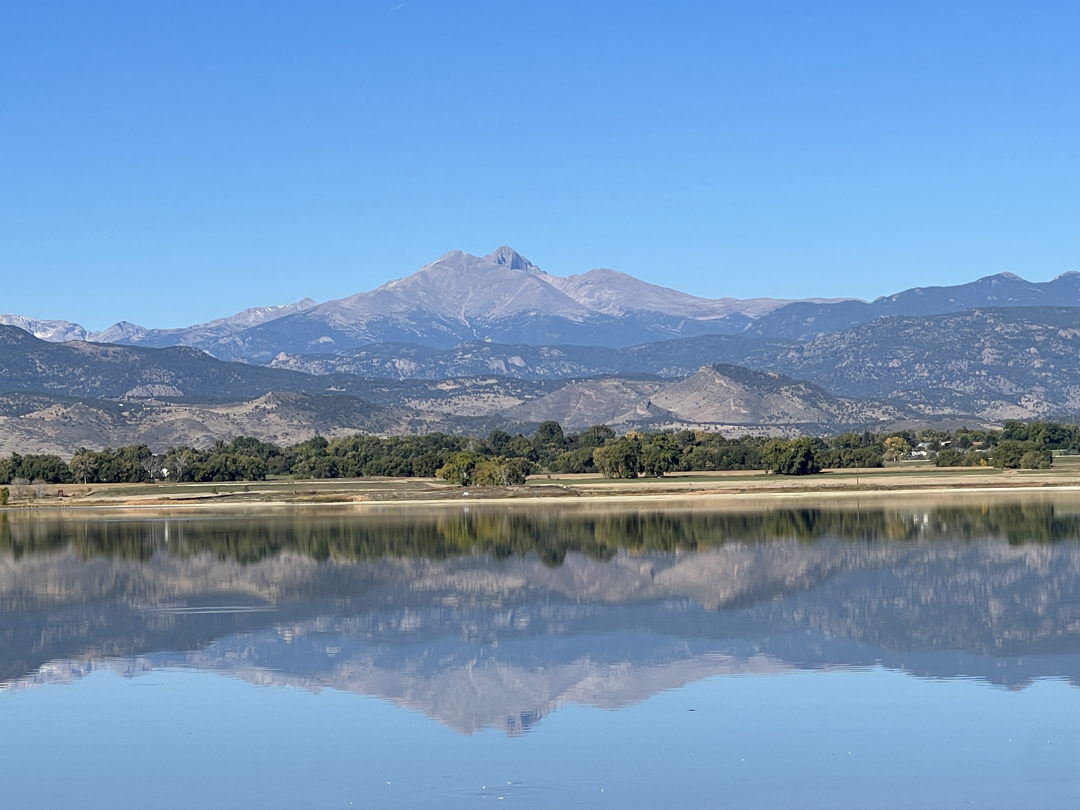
[914, 655]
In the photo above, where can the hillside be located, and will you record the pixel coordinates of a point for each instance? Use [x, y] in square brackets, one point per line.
[93, 370]
[578, 405]
[58, 397]
[718, 397]
[82, 369]
[730, 395]
[980, 365]
[1008, 363]
[39, 423]
[671, 358]
[998, 363]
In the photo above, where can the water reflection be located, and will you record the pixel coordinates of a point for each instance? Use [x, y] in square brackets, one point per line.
[496, 618]
[504, 533]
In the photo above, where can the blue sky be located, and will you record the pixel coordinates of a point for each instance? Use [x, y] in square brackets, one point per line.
[167, 163]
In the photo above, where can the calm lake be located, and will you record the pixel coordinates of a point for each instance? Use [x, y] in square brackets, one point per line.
[889, 655]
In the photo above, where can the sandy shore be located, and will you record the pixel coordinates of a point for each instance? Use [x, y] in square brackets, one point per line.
[708, 490]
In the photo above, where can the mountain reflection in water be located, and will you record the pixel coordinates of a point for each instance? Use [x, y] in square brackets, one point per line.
[496, 617]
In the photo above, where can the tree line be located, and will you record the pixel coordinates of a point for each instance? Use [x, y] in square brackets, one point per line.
[502, 459]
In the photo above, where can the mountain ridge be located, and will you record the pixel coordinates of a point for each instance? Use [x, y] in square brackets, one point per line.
[60, 331]
[461, 297]
[505, 298]
[58, 397]
[994, 362]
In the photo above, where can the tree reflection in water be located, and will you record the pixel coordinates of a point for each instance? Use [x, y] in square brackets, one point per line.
[506, 533]
[497, 616]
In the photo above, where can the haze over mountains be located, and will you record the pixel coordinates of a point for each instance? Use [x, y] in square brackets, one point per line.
[516, 346]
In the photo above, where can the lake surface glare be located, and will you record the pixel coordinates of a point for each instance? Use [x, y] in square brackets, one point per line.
[910, 655]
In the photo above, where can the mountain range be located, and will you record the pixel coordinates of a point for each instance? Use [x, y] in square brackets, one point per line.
[132, 334]
[470, 343]
[996, 363]
[59, 397]
[505, 298]
[460, 297]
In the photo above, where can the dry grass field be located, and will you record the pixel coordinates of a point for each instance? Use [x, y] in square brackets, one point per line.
[697, 486]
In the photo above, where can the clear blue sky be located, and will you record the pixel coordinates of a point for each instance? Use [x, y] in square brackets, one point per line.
[167, 163]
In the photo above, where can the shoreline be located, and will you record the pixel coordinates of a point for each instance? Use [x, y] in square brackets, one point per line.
[717, 491]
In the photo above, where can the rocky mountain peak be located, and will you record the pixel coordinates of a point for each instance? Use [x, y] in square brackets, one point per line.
[118, 332]
[512, 260]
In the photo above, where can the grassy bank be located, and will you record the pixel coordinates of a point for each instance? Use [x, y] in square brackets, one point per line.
[696, 485]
